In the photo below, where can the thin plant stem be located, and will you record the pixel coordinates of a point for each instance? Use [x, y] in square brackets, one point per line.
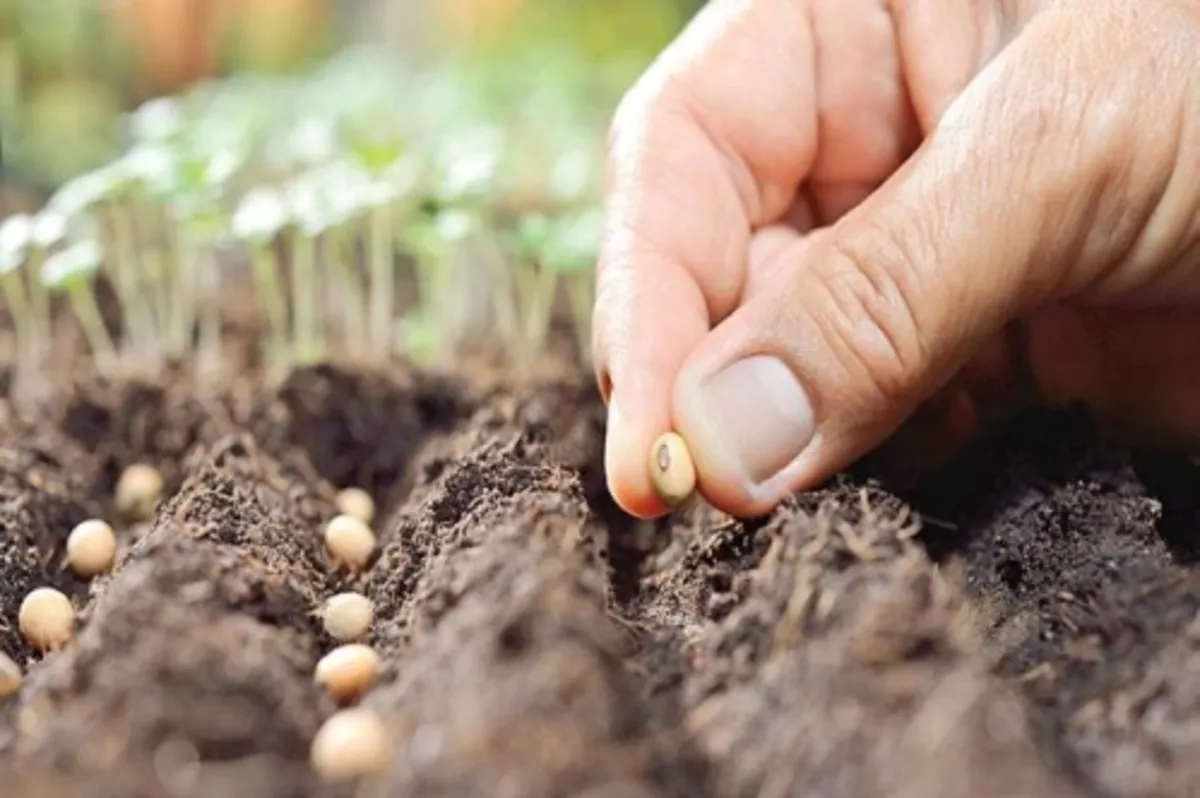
[538, 287]
[383, 282]
[503, 304]
[343, 257]
[135, 310]
[18, 308]
[304, 294]
[581, 292]
[41, 321]
[208, 279]
[183, 314]
[271, 297]
[83, 300]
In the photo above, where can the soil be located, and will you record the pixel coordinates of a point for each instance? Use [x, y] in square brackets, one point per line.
[1023, 622]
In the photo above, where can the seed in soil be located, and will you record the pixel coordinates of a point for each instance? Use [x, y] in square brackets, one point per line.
[91, 548]
[671, 469]
[351, 744]
[138, 491]
[348, 616]
[46, 619]
[348, 671]
[10, 676]
[350, 541]
[356, 503]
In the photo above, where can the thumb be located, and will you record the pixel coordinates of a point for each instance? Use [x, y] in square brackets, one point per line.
[1021, 194]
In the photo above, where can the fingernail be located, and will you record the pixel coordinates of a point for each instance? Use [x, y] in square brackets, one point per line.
[761, 412]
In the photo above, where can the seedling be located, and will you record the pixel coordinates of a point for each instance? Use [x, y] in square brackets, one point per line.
[348, 671]
[91, 548]
[357, 503]
[46, 619]
[137, 493]
[351, 744]
[259, 218]
[571, 254]
[72, 271]
[348, 616]
[672, 471]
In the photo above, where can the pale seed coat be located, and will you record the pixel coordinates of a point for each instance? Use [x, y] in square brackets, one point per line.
[350, 541]
[348, 616]
[46, 619]
[351, 744]
[356, 503]
[348, 671]
[672, 470]
[91, 548]
[138, 491]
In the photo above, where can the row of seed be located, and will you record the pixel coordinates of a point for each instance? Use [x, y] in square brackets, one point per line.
[46, 618]
[353, 742]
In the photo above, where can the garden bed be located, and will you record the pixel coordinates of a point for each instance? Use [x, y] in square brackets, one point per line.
[1022, 622]
[1037, 638]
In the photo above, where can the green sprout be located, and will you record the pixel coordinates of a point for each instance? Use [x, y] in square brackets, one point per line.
[72, 271]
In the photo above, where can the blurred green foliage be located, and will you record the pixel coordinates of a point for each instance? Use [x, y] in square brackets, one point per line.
[67, 75]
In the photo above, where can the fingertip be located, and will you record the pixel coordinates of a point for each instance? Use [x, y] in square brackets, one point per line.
[626, 443]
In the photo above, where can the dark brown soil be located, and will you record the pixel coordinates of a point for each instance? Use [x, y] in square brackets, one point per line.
[1023, 623]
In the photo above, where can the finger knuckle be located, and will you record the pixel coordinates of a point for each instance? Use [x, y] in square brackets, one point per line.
[868, 316]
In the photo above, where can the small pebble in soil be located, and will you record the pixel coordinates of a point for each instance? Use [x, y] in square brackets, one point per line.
[348, 616]
[350, 541]
[351, 744]
[138, 491]
[10, 676]
[46, 619]
[671, 469]
[356, 503]
[91, 548]
[348, 671]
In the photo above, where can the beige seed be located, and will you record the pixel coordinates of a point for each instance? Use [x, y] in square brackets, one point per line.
[46, 619]
[10, 676]
[348, 616]
[351, 744]
[91, 548]
[350, 541]
[357, 503]
[138, 491]
[348, 671]
[671, 469]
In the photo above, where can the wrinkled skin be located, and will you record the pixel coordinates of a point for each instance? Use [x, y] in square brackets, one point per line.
[909, 215]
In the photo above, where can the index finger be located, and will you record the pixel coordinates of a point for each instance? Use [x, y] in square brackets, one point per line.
[709, 144]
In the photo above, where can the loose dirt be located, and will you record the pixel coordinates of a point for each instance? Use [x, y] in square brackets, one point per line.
[1024, 622]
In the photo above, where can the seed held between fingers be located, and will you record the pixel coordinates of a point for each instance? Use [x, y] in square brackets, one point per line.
[10, 676]
[348, 671]
[46, 619]
[350, 541]
[351, 744]
[348, 616]
[91, 548]
[672, 470]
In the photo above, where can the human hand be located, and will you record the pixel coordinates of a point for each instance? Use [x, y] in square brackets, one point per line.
[824, 216]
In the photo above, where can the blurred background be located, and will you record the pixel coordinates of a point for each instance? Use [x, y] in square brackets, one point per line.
[71, 69]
